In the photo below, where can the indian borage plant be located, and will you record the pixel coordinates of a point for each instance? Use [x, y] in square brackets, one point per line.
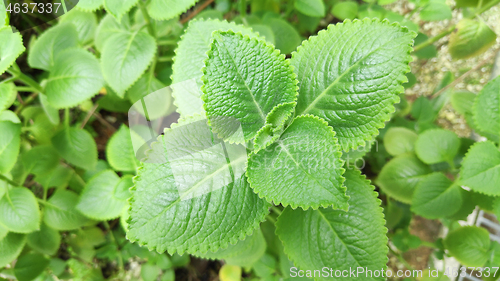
[208, 185]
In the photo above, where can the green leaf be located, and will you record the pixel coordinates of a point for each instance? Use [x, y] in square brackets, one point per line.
[352, 81]
[255, 88]
[118, 8]
[152, 92]
[243, 253]
[469, 245]
[191, 194]
[436, 196]
[112, 102]
[52, 42]
[90, 5]
[435, 10]
[10, 141]
[85, 23]
[336, 239]
[8, 95]
[104, 196]
[29, 266]
[77, 147]
[264, 31]
[168, 9]
[51, 112]
[189, 60]
[150, 272]
[427, 52]
[10, 247]
[276, 120]
[75, 77]
[400, 176]
[399, 140]
[486, 111]
[19, 210]
[312, 8]
[437, 145]
[308, 151]
[46, 240]
[125, 57]
[11, 46]
[120, 152]
[463, 102]
[40, 160]
[423, 111]
[286, 36]
[470, 38]
[60, 212]
[481, 168]
[345, 10]
[109, 27]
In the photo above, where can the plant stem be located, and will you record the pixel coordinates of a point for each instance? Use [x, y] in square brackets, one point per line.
[10, 79]
[5, 179]
[112, 237]
[30, 99]
[89, 114]
[14, 71]
[197, 11]
[276, 210]
[25, 89]
[271, 219]
[165, 59]
[167, 42]
[66, 118]
[145, 14]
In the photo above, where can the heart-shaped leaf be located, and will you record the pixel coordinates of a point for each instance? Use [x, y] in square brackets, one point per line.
[481, 168]
[60, 212]
[77, 147]
[19, 210]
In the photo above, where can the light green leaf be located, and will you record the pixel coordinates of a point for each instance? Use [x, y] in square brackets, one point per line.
[191, 194]
[52, 42]
[308, 151]
[437, 145]
[264, 31]
[469, 245]
[29, 266]
[90, 5]
[77, 147]
[276, 120]
[336, 239]
[125, 57]
[120, 152]
[85, 23]
[46, 241]
[60, 212]
[255, 88]
[352, 81]
[486, 110]
[40, 160]
[8, 95]
[109, 27]
[400, 176]
[286, 36]
[436, 10]
[436, 196]
[189, 60]
[470, 38]
[104, 196]
[10, 142]
[463, 102]
[312, 8]
[8, 115]
[154, 94]
[481, 168]
[243, 253]
[118, 8]
[19, 210]
[11, 46]
[75, 77]
[10, 247]
[167, 9]
[51, 112]
[399, 140]
[345, 10]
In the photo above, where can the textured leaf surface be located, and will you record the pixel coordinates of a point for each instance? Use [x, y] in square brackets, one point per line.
[75, 77]
[105, 196]
[437, 145]
[244, 79]
[337, 239]
[470, 38]
[60, 212]
[125, 56]
[351, 75]
[469, 245]
[10, 140]
[312, 8]
[90, 5]
[10, 247]
[167, 9]
[436, 197]
[109, 27]
[8, 95]
[190, 57]
[481, 168]
[191, 194]
[399, 140]
[486, 110]
[118, 8]
[46, 240]
[77, 147]
[120, 152]
[303, 168]
[19, 210]
[53, 41]
[400, 176]
[85, 23]
[11, 46]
